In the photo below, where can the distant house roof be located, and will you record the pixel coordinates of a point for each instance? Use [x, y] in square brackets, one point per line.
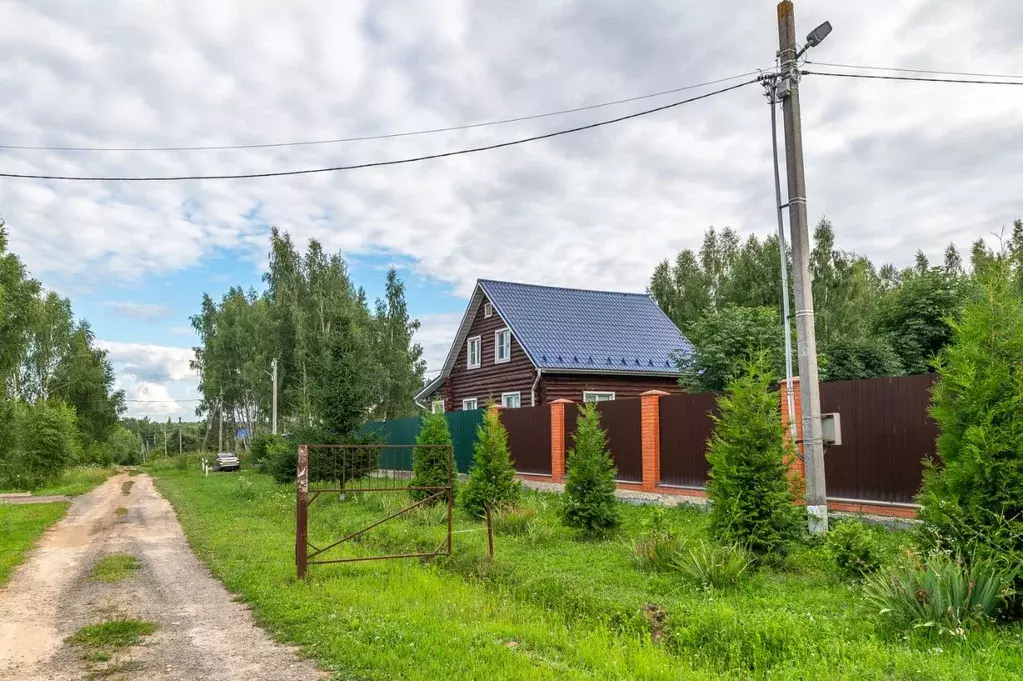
[573, 330]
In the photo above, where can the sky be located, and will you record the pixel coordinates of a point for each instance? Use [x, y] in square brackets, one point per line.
[896, 166]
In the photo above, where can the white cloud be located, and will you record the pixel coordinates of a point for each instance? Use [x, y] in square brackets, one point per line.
[897, 166]
[145, 360]
[135, 310]
[435, 335]
[181, 330]
[156, 379]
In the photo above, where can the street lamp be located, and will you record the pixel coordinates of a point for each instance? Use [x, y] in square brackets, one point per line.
[815, 37]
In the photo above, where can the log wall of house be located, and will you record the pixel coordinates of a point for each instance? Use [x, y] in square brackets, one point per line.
[572, 386]
[490, 379]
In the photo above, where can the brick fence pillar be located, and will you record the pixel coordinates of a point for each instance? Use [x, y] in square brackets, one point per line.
[558, 439]
[650, 435]
[797, 469]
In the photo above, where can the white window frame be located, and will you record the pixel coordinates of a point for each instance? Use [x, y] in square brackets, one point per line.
[516, 395]
[488, 310]
[595, 395]
[469, 364]
[435, 404]
[470, 403]
[497, 344]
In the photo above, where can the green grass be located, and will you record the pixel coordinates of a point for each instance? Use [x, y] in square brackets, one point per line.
[117, 633]
[20, 527]
[75, 481]
[551, 605]
[114, 567]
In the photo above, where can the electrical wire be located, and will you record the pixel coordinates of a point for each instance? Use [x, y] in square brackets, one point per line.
[901, 70]
[410, 133]
[380, 164]
[912, 78]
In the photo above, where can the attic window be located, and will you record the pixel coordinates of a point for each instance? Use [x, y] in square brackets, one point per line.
[502, 346]
[488, 310]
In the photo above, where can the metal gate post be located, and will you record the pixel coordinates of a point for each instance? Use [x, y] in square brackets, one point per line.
[451, 491]
[302, 512]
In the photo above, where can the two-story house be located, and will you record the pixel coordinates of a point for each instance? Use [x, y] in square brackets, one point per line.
[524, 345]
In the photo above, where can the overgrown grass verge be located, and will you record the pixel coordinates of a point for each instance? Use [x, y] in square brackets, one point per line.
[567, 608]
[73, 481]
[112, 634]
[20, 527]
[115, 567]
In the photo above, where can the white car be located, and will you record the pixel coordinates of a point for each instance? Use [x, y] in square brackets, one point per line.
[226, 461]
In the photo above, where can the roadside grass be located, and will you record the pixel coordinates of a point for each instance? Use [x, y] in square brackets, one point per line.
[112, 634]
[20, 527]
[114, 567]
[571, 608]
[74, 481]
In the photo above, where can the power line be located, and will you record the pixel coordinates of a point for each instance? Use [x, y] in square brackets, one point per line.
[411, 133]
[913, 78]
[901, 70]
[379, 164]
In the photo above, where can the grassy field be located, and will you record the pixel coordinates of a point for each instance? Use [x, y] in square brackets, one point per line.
[76, 481]
[551, 605]
[20, 527]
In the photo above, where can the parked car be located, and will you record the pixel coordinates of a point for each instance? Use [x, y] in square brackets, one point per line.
[226, 461]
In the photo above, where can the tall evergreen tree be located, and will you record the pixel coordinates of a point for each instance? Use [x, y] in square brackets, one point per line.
[589, 500]
[400, 359]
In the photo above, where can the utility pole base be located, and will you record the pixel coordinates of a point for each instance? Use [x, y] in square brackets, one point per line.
[818, 519]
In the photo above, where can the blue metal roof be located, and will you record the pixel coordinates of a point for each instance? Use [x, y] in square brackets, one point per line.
[575, 330]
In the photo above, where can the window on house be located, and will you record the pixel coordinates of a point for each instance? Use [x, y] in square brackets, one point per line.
[438, 407]
[475, 352]
[488, 310]
[598, 396]
[470, 403]
[502, 346]
[511, 400]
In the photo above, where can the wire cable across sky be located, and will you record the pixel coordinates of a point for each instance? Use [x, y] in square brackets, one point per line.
[380, 164]
[967, 74]
[917, 79]
[411, 133]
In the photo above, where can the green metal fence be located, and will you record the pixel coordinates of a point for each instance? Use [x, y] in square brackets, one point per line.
[463, 426]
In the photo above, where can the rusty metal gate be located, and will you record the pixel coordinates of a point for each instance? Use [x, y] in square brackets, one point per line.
[357, 469]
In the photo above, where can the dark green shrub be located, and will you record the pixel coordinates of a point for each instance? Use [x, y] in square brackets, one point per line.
[124, 446]
[332, 464]
[713, 566]
[261, 444]
[430, 464]
[942, 594]
[657, 552]
[589, 500]
[853, 548]
[751, 499]
[972, 505]
[47, 442]
[492, 482]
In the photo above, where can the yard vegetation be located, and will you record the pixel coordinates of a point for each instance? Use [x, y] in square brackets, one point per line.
[20, 527]
[557, 604]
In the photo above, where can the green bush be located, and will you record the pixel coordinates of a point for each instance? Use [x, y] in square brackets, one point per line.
[46, 441]
[335, 464]
[514, 521]
[714, 566]
[431, 465]
[657, 552]
[261, 445]
[589, 500]
[942, 594]
[751, 499]
[853, 548]
[492, 480]
[124, 446]
[972, 504]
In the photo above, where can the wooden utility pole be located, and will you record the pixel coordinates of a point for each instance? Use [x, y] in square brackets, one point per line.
[220, 411]
[813, 442]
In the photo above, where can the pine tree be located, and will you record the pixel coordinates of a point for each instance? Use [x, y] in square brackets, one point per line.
[431, 465]
[750, 493]
[492, 482]
[973, 503]
[590, 484]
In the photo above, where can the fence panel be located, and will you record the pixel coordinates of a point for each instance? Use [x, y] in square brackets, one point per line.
[886, 433]
[621, 419]
[529, 438]
[686, 426]
[462, 424]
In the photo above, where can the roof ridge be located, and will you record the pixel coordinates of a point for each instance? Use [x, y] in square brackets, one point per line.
[563, 288]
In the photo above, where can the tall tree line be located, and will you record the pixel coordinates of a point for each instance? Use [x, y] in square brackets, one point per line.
[339, 363]
[58, 405]
[870, 321]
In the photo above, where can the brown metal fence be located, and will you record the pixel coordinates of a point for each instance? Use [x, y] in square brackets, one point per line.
[622, 422]
[529, 438]
[686, 426]
[886, 433]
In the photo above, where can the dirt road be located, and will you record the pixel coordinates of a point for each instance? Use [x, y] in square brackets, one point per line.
[202, 633]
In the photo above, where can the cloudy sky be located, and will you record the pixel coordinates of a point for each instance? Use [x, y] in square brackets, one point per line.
[897, 166]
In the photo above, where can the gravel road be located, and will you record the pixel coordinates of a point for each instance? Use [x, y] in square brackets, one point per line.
[202, 632]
